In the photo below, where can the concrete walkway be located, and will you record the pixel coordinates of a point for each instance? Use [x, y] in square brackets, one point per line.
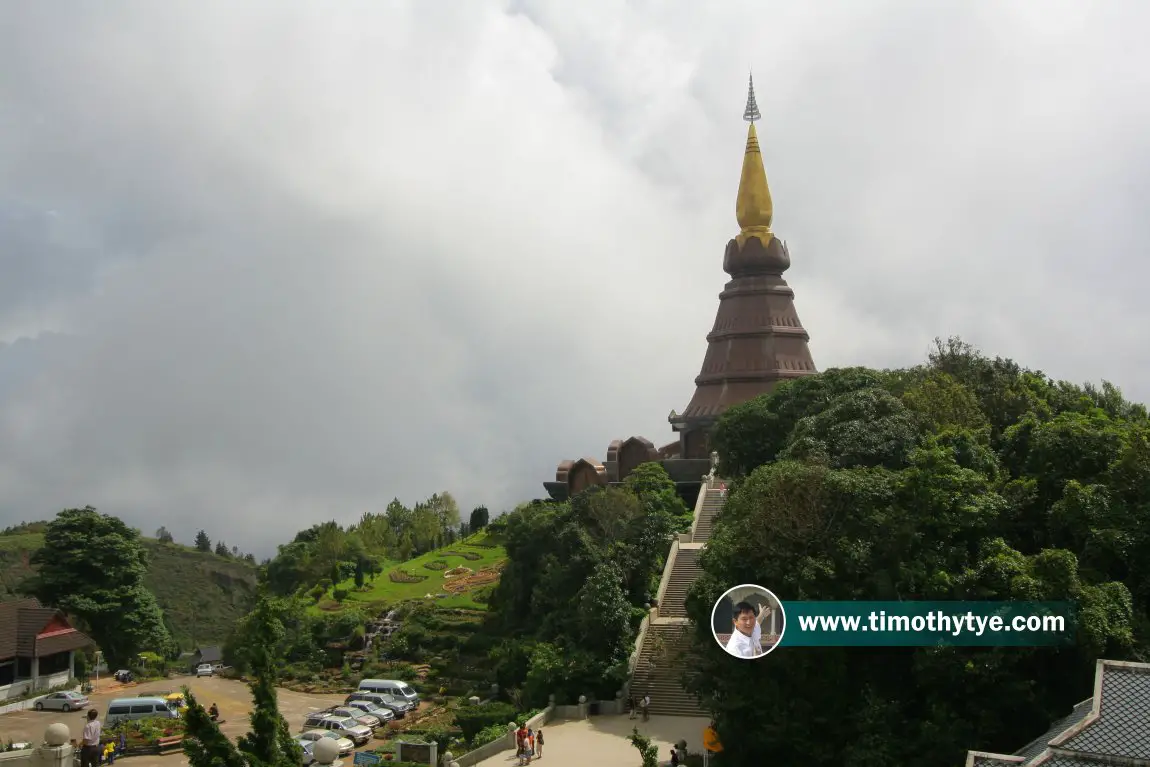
[602, 741]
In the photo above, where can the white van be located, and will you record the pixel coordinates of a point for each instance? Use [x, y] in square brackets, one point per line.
[394, 687]
[122, 709]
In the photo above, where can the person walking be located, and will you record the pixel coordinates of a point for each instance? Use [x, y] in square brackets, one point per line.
[90, 740]
[539, 744]
[646, 704]
[631, 705]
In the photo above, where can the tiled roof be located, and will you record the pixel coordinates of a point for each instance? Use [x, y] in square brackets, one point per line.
[1119, 732]
[9, 625]
[1123, 724]
[209, 654]
[30, 619]
[993, 761]
[21, 620]
[1040, 744]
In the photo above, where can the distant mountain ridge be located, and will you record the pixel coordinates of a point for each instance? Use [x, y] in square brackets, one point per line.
[202, 595]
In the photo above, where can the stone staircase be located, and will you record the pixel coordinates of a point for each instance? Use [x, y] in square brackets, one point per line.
[664, 656]
[663, 664]
[684, 571]
[712, 505]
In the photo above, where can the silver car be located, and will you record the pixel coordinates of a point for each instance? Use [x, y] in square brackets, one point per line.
[346, 746]
[363, 717]
[382, 714]
[62, 701]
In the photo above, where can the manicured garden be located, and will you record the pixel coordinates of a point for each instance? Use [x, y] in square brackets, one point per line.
[459, 575]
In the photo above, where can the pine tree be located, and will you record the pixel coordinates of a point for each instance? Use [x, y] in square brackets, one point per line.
[203, 542]
[270, 742]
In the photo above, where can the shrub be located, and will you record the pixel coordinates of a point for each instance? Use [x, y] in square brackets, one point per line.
[340, 594]
[472, 719]
[435, 564]
[399, 575]
[489, 734]
[470, 556]
[317, 593]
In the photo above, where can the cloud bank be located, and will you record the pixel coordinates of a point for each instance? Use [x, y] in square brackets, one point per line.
[266, 265]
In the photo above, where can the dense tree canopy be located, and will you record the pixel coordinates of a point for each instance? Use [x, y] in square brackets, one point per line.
[579, 577]
[92, 566]
[330, 551]
[963, 479]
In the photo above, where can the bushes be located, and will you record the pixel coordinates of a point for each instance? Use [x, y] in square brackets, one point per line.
[473, 719]
[489, 734]
[470, 556]
[435, 564]
[399, 575]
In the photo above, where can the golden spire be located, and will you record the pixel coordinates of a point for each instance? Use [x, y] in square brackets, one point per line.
[753, 207]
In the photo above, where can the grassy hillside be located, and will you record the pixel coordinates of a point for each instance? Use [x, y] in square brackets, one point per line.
[202, 595]
[462, 573]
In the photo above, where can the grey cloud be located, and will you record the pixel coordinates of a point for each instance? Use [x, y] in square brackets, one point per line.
[304, 260]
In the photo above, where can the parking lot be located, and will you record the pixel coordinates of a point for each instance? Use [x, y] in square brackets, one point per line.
[232, 697]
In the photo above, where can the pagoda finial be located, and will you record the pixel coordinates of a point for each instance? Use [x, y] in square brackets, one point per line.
[752, 111]
[753, 207]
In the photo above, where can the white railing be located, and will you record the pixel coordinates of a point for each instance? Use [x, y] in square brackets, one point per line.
[668, 568]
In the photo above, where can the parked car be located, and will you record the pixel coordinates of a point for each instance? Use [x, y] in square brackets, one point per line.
[344, 726]
[394, 687]
[205, 669]
[382, 700]
[62, 701]
[123, 676]
[346, 745]
[364, 718]
[379, 712]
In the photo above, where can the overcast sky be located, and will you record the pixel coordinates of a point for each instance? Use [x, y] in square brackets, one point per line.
[268, 263]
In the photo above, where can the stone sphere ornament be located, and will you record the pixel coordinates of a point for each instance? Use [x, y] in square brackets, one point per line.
[325, 751]
[57, 734]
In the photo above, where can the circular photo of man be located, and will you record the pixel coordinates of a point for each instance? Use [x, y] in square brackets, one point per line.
[748, 621]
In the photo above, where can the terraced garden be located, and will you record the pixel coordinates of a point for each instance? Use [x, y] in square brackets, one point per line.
[454, 576]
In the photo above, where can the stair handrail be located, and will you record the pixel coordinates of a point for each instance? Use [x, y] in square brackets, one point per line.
[699, 503]
[668, 568]
[633, 660]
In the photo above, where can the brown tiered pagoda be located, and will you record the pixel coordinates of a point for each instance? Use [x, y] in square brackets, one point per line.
[757, 341]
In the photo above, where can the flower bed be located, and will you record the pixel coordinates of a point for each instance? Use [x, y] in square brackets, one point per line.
[470, 556]
[435, 564]
[400, 575]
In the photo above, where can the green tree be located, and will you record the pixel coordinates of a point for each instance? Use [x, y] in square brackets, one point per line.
[963, 479]
[479, 519]
[203, 542]
[604, 612]
[647, 751]
[92, 565]
[163, 536]
[222, 550]
[269, 743]
[359, 573]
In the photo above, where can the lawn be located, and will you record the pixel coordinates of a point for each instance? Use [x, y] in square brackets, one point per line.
[457, 571]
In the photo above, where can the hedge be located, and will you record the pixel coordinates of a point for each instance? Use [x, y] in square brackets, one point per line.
[472, 719]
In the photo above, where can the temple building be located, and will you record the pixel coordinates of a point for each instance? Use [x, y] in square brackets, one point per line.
[757, 341]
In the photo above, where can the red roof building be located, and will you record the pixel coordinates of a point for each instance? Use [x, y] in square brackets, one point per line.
[37, 647]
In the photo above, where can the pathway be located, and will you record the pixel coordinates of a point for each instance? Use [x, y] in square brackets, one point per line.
[602, 741]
